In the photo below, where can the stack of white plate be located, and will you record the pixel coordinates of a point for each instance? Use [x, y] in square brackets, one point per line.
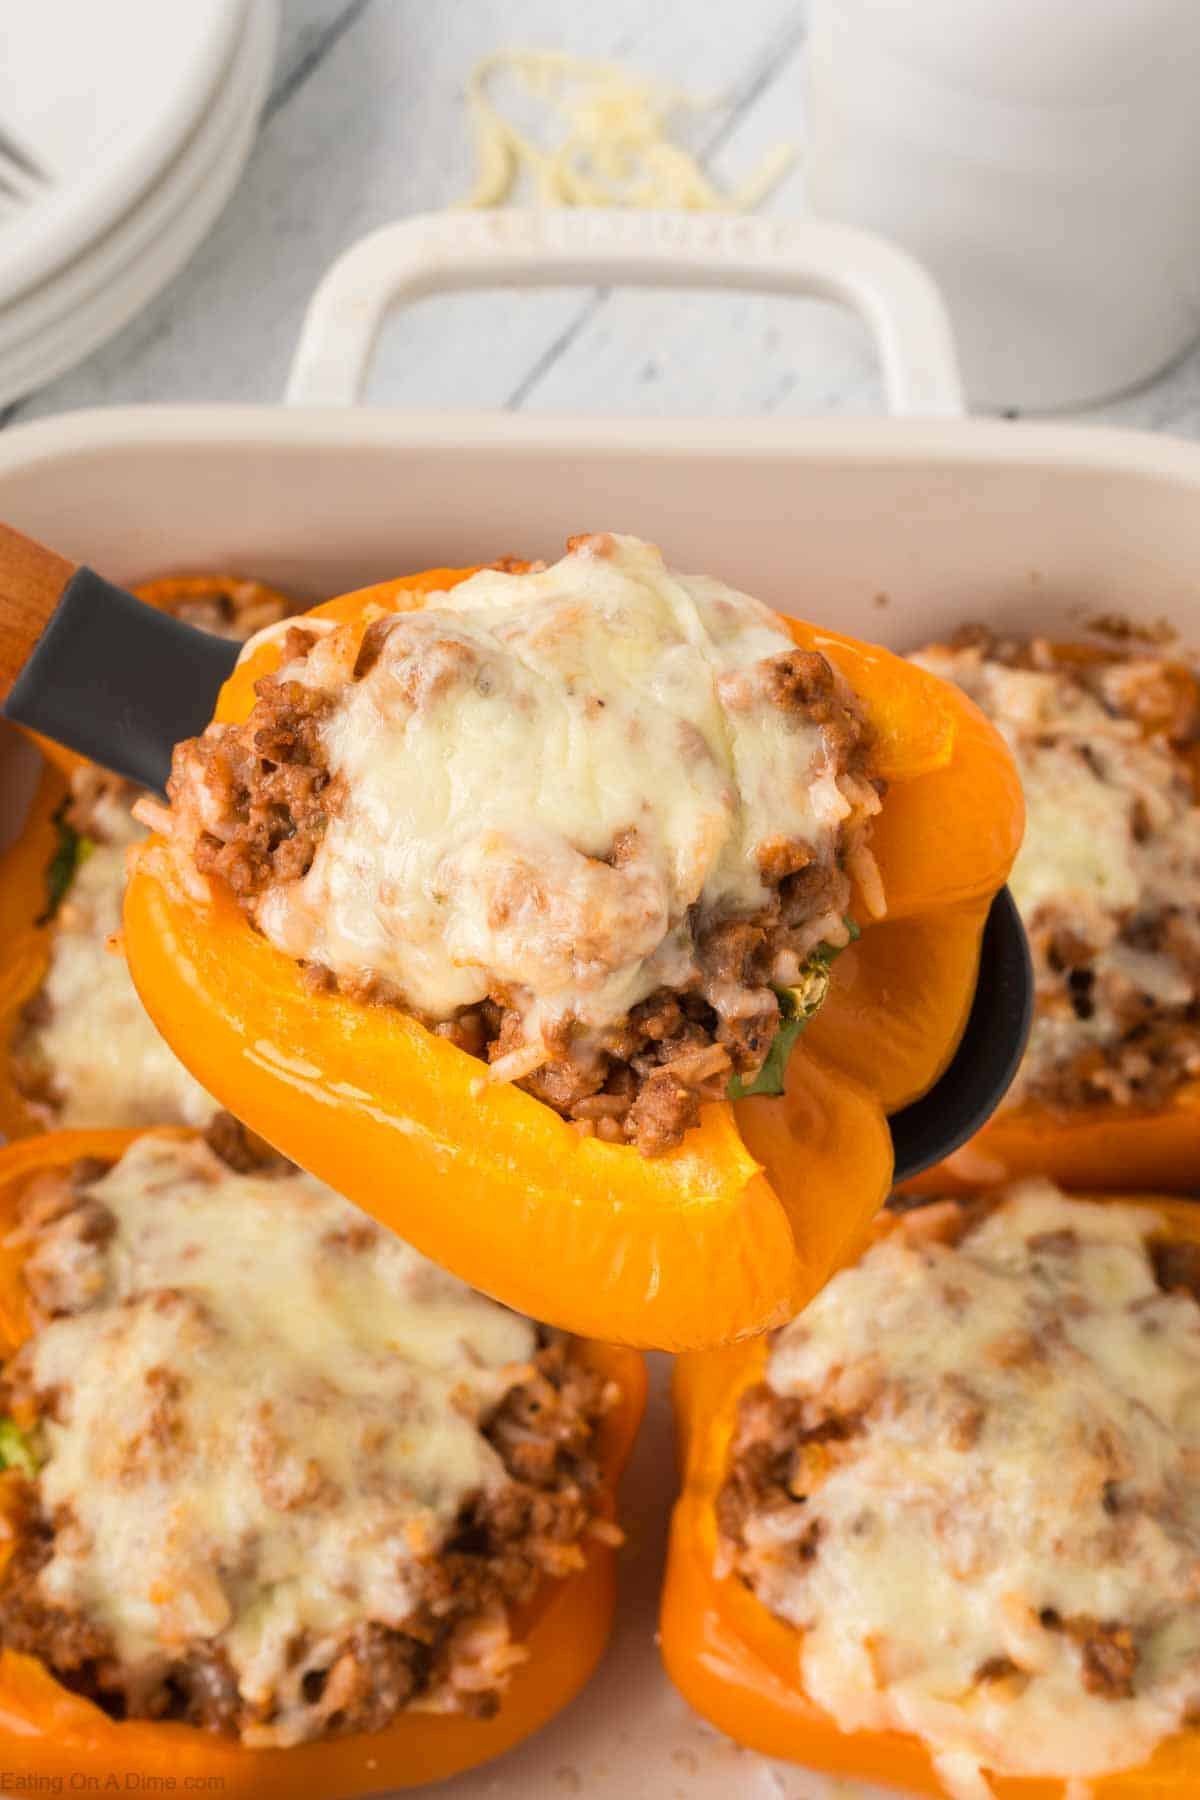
[124, 127]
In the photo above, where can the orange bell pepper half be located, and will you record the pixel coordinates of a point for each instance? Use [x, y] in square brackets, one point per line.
[1106, 1147]
[739, 1665]
[727, 1234]
[47, 1731]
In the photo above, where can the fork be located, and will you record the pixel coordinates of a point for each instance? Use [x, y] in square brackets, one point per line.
[22, 178]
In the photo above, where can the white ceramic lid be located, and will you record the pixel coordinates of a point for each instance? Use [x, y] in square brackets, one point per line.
[102, 96]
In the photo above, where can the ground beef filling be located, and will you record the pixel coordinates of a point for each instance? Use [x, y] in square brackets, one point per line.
[241, 1149]
[644, 1082]
[229, 606]
[783, 1446]
[501, 1547]
[1101, 1036]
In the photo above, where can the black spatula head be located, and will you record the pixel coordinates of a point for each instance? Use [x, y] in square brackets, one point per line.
[986, 1060]
[119, 681]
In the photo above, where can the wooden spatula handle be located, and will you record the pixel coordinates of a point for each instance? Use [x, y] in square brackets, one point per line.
[32, 579]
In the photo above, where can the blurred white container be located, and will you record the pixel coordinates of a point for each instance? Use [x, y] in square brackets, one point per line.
[1042, 158]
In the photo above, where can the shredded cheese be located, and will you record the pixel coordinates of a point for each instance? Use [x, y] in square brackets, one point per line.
[1108, 877]
[270, 1413]
[546, 779]
[614, 146]
[105, 1063]
[998, 1544]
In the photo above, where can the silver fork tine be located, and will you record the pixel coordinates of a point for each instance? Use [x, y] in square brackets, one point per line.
[22, 178]
[14, 151]
[16, 189]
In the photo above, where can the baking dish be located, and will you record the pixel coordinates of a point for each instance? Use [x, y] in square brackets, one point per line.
[1035, 525]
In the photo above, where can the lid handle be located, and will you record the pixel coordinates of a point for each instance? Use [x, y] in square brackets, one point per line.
[447, 252]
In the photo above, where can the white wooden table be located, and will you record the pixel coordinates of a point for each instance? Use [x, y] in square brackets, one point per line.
[365, 123]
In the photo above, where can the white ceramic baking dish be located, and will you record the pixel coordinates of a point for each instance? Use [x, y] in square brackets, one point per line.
[896, 529]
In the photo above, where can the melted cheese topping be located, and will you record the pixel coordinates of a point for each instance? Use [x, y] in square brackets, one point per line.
[1112, 837]
[273, 1411]
[1030, 1440]
[539, 778]
[614, 149]
[106, 1064]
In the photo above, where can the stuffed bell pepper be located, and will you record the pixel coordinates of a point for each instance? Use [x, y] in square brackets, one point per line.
[583, 923]
[78, 1048]
[287, 1511]
[941, 1531]
[1106, 736]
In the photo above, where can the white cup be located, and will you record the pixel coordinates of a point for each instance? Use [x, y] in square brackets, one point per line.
[1042, 158]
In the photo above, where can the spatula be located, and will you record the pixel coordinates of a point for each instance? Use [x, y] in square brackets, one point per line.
[85, 663]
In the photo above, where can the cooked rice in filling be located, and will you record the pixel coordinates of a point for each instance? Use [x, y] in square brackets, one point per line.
[586, 821]
[230, 606]
[85, 1054]
[1108, 877]
[292, 1477]
[969, 1479]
